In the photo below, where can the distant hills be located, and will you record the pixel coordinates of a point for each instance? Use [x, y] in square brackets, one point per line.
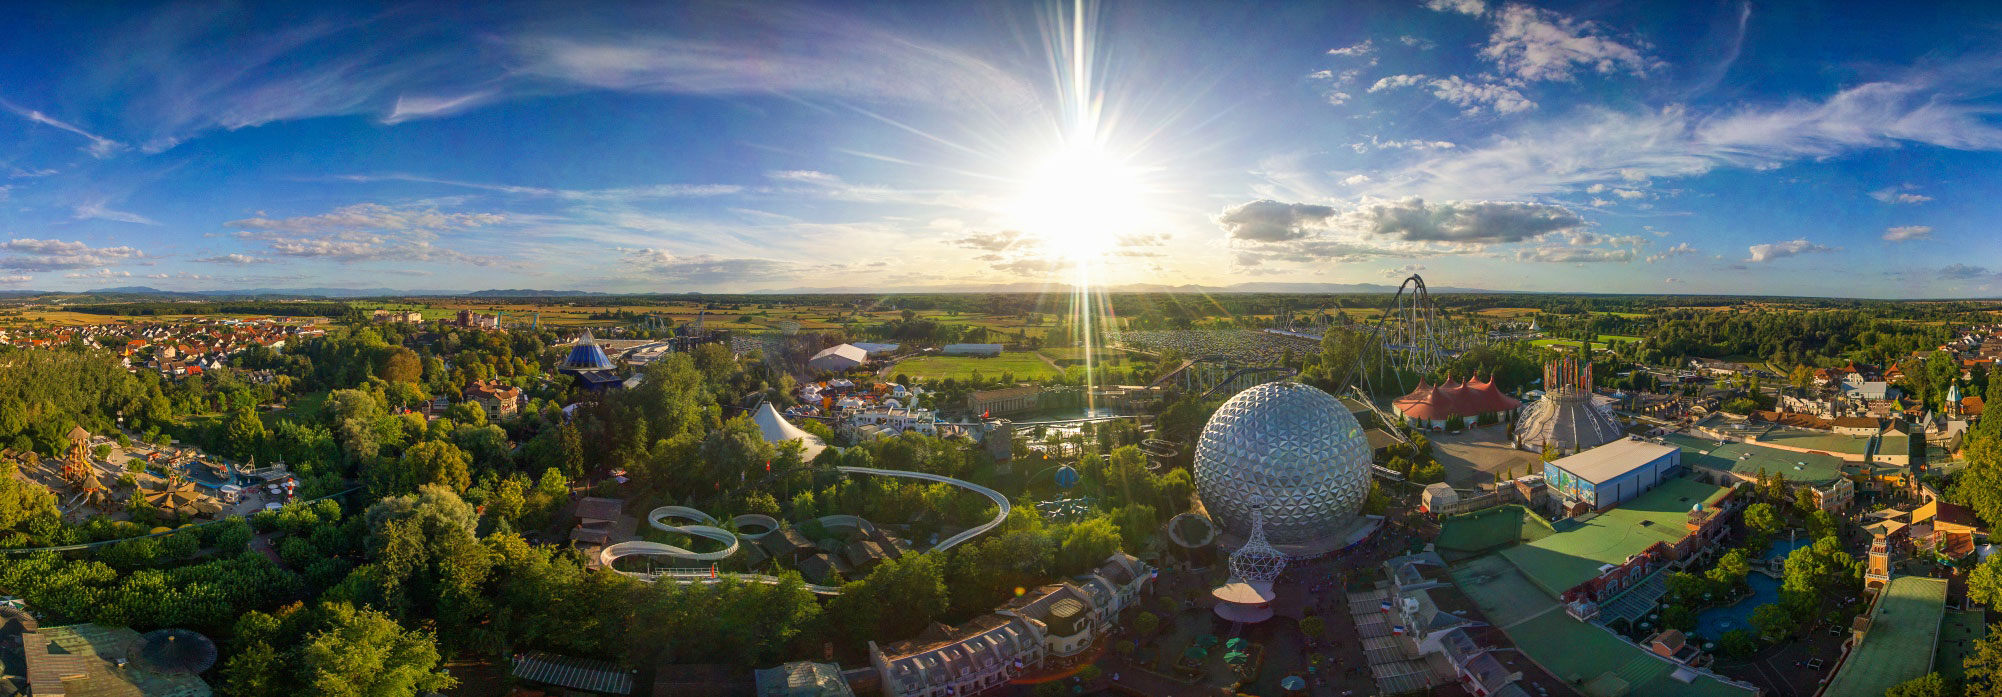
[1254, 287]
[339, 293]
[321, 292]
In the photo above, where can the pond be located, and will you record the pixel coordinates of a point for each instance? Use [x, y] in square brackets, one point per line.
[1711, 624]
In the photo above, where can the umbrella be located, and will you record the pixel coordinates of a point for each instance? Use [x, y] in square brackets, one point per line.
[1196, 653]
[1293, 683]
[1236, 657]
[1206, 640]
[1237, 643]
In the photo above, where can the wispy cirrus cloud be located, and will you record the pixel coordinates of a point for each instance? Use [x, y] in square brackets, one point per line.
[183, 71]
[100, 147]
[633, 193]
[1925, 106]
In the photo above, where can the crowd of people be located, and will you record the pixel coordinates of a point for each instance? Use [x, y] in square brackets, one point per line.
[1240, 346]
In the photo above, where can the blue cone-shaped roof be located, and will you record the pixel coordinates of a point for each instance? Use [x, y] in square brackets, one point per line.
[587, 356]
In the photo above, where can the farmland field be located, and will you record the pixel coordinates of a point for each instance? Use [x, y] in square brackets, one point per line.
[1024, 366]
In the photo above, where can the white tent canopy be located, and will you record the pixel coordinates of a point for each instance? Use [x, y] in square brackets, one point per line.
[777, 429]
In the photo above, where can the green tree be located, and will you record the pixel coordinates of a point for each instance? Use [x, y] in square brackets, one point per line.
[1678, 617]
[899, 598]
[1822, 524]
[244, 433]
[22, 499]
[1773, 621]
[255, 670]
[435, 462]
[1984, 664]
[1761, 519]
[1928, 685]
[1984, 585]
[1086, 544]
[1730, 568]
[1146, 622]
[364, 653]
[1314, 626]
[1738, 643]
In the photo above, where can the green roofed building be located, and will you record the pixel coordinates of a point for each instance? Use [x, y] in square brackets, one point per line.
[1896, 641]
[1593, 557]
[1731, 463]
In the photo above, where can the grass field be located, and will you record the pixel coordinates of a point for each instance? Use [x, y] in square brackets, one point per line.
[1024, 366]
[1609, 338]
[305, 409]
[1568, 343]
[1509, 312]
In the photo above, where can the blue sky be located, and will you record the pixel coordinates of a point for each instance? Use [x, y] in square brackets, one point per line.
[1698, 147]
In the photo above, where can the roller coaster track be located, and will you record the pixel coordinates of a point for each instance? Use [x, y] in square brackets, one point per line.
[1238, 380]
[705, 528]
[1413, 335]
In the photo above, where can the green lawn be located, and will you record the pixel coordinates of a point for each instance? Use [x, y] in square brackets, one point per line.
[303, 409]
[1024, 366]
[1609, 338]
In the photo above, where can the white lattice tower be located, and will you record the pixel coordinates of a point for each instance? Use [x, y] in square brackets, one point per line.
[1257, 561]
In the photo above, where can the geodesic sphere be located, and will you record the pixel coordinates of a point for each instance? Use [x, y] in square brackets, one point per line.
[1293, 445]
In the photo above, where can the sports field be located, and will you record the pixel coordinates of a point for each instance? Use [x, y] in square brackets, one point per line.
[1022, 365]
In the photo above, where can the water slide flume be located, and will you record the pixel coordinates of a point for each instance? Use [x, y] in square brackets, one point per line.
[705, 527]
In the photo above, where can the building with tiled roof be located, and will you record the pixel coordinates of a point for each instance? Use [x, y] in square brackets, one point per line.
[1431, 406]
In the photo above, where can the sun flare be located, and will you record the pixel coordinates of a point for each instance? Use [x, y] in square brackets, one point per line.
[1079, 202]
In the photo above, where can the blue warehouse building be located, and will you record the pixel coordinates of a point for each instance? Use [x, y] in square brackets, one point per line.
[1610, 474]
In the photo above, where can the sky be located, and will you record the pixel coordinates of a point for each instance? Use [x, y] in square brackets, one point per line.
[1809, 148]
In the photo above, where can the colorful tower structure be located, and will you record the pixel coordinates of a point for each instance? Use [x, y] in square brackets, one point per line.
[77, 466]
[81, 475]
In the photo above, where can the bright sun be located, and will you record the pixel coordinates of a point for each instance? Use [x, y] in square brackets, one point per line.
[1080, 201]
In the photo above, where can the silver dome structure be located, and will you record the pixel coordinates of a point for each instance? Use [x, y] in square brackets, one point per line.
[1296, 450]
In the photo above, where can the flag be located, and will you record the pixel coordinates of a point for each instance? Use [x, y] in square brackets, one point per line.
[1397, 629]
[986, 413]
[768, 465]
[712, 574]
[1385, 606]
